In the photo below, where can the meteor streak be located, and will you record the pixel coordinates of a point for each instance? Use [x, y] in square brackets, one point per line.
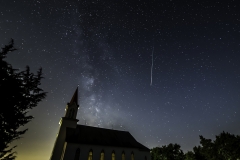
[152, 67]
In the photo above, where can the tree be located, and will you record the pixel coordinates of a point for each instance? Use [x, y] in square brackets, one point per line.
[190, 156]
[19, 94]
[171, 151]
[198, 153]
[226, 146]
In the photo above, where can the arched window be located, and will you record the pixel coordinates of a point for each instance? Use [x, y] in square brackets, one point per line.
[123, 155]
[102, 155]
[77, 154]
[90, 155]
[113, 155]
[132, 156]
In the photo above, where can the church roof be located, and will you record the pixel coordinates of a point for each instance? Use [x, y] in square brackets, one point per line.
[101, 136]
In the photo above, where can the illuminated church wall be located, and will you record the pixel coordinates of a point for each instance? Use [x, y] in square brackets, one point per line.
[120, 153]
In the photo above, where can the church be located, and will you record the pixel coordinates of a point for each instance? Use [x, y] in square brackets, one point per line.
[82, 142]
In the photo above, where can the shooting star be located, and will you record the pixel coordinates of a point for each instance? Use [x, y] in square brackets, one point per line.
[152, 67]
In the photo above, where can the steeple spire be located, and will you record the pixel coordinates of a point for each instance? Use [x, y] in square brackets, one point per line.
[75, 97]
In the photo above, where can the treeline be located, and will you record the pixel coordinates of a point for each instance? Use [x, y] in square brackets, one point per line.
[226, 146]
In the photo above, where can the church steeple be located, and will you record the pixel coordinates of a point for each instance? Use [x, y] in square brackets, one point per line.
[68, 121]
[72, 107]
[75, 97]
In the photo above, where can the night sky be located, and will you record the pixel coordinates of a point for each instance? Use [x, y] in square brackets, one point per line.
[109, 49]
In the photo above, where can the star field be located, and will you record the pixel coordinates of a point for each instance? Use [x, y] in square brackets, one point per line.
[106, 48]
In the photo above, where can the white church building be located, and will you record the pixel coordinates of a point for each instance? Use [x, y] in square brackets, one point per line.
[82, 142]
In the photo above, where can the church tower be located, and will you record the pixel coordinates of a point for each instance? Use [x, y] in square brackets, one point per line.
[68, 121]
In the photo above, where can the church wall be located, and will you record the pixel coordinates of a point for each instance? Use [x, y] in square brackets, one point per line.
[84, 152]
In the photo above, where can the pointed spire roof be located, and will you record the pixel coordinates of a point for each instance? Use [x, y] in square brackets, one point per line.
[75, 97]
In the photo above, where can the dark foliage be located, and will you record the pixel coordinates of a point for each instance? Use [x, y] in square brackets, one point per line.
[189, 156]
[171, 151]
[225, 147]
[19, 94]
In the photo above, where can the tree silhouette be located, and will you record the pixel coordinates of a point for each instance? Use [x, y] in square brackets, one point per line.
[171, 151]
[226, 146]
[19, 94]
[190, 156]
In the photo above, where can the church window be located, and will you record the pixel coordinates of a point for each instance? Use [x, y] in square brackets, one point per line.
[123, 155]
[77, 154]
[113, 155]
[90, 155]
[102, 155]
[132, 156]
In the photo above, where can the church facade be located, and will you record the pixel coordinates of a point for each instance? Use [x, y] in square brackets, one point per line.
[82, 142]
